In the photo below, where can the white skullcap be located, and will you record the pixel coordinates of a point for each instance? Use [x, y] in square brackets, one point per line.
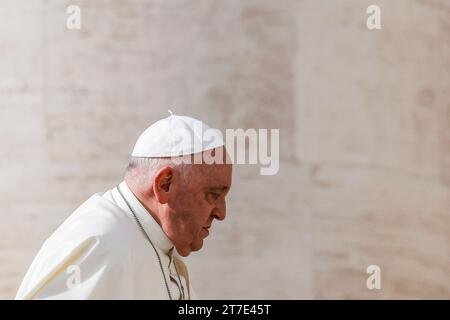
[177, 136]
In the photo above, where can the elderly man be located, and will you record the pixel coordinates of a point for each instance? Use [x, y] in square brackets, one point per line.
[127, 243]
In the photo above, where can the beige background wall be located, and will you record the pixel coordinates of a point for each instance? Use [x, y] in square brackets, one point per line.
[364, 120]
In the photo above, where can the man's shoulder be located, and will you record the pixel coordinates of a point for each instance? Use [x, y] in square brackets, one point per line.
[96, 217]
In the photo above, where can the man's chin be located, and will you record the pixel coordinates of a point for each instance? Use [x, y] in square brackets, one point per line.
[197, 245]
[186, 250]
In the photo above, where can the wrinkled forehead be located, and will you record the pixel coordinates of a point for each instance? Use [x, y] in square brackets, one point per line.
[216, 173]
[217, 155]
[212, 175]
[211, 168]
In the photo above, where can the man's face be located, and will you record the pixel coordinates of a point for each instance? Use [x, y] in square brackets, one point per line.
[195, 203]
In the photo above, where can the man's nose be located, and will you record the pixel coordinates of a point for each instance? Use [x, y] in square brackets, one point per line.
[220, 211]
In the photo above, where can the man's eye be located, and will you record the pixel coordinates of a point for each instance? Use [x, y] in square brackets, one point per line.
[214, 196]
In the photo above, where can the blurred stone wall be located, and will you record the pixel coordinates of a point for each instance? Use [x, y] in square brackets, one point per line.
[364, 118]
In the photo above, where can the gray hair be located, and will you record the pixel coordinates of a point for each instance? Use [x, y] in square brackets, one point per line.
[142, 170]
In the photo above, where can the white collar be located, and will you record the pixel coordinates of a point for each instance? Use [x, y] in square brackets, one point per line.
[151, 227]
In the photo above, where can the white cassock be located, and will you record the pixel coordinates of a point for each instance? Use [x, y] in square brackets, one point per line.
[100, 252]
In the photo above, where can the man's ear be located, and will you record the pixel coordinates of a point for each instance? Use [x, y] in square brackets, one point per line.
[163, 182]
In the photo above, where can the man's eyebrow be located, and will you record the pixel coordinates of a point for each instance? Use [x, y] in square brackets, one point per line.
[220, 189]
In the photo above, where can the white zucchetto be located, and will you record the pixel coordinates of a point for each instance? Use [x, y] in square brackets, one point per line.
[177, 136]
